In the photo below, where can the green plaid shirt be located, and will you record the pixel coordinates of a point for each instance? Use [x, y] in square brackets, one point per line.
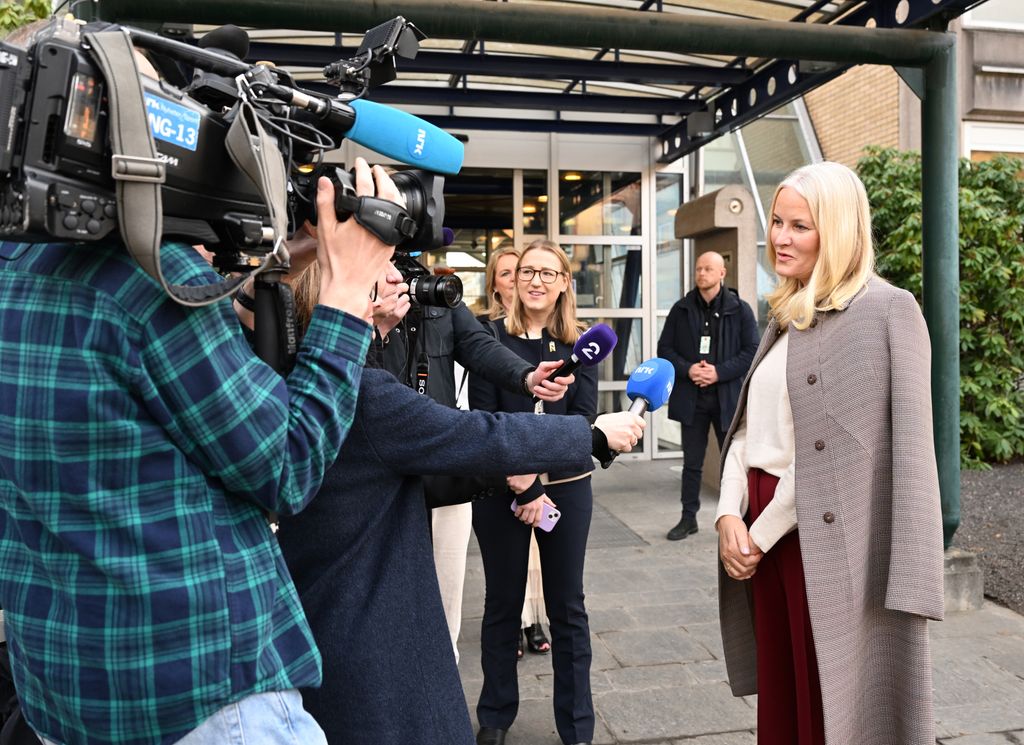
[141, 444]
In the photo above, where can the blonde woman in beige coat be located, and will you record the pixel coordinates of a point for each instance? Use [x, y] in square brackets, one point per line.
[830, 538]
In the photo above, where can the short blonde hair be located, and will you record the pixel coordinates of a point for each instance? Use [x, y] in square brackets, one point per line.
[494, 307]
[562, 323]
[839, 208]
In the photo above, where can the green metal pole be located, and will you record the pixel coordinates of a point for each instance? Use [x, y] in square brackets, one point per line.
[940, 246]
[543, 24]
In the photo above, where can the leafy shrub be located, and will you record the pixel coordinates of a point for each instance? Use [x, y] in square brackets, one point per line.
[991, 286]
[16, 13]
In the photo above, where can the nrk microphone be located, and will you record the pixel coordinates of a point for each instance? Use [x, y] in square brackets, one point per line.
[405, 137]
[648, 388]
[650, 385]
[593, 346]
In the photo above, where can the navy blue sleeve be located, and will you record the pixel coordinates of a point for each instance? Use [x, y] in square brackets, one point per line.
[436, 439]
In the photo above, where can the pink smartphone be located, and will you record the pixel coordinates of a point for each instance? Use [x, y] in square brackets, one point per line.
[547, 520]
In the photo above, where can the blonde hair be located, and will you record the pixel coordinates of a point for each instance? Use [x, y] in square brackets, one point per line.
[306, 293]
[494, 307]
[562, 324]
[838, 205]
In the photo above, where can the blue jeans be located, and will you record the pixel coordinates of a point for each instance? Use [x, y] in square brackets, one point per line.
[275, 718]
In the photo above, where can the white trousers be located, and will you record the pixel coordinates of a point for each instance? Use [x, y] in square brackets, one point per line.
[451, 527]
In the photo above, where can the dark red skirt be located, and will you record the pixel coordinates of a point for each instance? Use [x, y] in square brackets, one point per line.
[789, 692]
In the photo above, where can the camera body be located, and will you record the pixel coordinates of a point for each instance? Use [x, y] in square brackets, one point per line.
[55, 164]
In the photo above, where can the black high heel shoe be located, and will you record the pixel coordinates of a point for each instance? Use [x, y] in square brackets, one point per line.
[536, 641]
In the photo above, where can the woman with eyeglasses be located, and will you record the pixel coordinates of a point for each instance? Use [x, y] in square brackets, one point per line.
[541, 325]
[500, 279]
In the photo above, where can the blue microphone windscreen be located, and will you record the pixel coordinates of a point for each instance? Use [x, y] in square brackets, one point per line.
[405, 137]
[595, 344]
[652, 381]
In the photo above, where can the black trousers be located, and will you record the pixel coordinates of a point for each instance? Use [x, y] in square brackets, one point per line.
[505, 547]
[695, 444]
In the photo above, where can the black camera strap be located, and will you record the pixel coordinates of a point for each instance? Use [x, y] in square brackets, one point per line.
[139, 174]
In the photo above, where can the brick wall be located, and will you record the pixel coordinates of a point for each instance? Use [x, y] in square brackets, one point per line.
[859, 108]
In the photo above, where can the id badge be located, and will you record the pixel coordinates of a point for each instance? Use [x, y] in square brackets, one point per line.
[705, 344]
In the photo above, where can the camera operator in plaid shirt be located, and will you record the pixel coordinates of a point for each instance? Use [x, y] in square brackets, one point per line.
[141, 446]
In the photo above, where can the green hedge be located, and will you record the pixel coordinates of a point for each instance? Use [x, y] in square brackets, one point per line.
[991, 286]
[16, 13]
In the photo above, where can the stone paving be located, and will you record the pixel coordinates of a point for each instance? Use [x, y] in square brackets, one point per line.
[658, 676]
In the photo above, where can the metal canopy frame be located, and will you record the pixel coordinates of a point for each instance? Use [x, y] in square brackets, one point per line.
[761, 65]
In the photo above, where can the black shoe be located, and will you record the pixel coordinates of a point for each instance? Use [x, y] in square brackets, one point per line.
[687, 525]
[536, 642]
[491, 736]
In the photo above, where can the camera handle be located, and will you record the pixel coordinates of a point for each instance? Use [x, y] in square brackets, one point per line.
[274, 335]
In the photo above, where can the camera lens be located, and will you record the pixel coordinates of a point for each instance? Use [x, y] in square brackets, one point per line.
[437, 291]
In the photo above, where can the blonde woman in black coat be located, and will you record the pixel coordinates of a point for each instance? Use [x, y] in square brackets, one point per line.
[541, 326]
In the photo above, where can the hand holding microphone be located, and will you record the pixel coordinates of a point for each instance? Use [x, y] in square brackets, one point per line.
[622, 430]
[648, 388]
[594, 345]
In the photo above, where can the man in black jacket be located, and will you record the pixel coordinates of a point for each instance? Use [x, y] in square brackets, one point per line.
[710, 337]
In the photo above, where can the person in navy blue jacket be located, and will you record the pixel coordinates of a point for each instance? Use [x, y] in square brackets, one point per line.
[710, 337]
[541, 326]
[362, 562]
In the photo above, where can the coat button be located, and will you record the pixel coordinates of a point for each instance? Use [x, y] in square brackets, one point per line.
[819, 445]
[814, 322]
[812, 379]
[829, 518]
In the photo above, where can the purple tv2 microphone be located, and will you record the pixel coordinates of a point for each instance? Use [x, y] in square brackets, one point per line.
[593, 346]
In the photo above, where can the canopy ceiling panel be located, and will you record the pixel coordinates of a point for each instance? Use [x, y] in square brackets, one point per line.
[684, 96]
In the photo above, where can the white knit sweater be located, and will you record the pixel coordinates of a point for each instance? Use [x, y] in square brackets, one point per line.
[764, 440]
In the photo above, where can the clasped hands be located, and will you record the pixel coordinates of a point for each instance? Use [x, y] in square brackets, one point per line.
[703, 374]
[740, 555]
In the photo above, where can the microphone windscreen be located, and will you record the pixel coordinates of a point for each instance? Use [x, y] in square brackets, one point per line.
[405, 137]
[652, 381]
[229, 38]
[594, 344]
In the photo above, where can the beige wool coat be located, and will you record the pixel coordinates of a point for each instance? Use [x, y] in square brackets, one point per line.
[867, 501]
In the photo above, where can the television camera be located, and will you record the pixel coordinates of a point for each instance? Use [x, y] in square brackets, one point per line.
[229, 160]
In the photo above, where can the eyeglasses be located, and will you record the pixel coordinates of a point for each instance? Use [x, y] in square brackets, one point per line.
[547, 276]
